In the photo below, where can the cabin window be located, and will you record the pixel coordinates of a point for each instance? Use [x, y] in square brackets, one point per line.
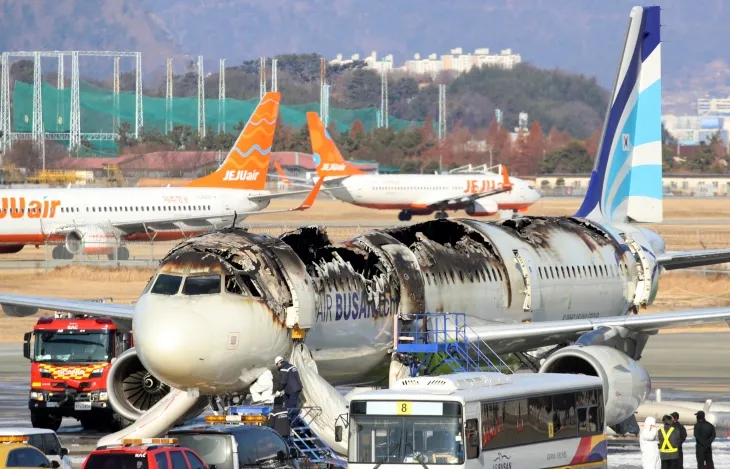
[562, 271]
[202, 285]
[595, 270]
[167, 284]
[552, 274]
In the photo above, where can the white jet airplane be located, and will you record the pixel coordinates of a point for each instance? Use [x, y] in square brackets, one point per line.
[91, 220]
[223, 305]
[479, 195]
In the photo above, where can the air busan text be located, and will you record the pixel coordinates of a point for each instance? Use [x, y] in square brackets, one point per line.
[241, 175]
[333, 167]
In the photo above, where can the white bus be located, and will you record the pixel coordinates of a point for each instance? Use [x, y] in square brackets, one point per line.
[480, 421]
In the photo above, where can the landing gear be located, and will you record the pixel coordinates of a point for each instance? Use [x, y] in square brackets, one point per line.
[441, 215]
[60, 252]
[42, 419]
[405, 215]
[122, 254]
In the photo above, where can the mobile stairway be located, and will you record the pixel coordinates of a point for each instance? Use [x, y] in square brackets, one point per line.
[314, 452]
[434, 340]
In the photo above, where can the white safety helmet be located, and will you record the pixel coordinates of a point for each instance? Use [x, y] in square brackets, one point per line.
[277, 360]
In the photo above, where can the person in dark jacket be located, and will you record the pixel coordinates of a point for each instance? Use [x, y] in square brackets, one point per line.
[279, 418]
[705, 435]
[682, 437]
[289, 383]
[668, 444]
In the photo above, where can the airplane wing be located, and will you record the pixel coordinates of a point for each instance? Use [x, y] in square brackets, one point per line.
[92, 308]
[686, 259]
[538, 334]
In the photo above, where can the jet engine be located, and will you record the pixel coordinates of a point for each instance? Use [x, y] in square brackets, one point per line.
[91, 240]
[19, 311]
[11, 248]
[482, 208]
[627, 380]
[133, 390]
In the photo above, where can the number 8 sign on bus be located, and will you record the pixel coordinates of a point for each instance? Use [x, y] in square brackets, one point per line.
[404, 408]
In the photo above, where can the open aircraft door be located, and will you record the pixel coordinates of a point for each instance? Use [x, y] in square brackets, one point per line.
[530, 276]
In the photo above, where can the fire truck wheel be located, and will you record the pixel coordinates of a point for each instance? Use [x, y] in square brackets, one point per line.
[42, 419]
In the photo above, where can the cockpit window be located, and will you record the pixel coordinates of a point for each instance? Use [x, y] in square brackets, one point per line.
[202, 285]
[167, 284]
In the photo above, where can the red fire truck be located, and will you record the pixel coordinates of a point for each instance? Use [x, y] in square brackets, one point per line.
[70, 358]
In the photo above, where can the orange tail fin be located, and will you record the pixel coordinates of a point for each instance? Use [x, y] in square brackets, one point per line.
[505, 178]
[247, 162]
[327, 157]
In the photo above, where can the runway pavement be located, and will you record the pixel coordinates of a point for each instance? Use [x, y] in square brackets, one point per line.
[688, 366]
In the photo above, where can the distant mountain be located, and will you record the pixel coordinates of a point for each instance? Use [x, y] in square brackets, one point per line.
[576, 35]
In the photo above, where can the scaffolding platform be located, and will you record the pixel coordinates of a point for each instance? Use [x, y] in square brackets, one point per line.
[436, 339]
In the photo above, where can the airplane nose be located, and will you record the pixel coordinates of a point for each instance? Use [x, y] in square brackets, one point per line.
[172, 340]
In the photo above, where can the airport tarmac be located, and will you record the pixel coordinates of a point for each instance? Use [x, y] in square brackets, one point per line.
[686, 366]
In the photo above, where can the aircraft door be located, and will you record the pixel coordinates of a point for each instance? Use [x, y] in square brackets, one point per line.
[525, 264]
[643, 268]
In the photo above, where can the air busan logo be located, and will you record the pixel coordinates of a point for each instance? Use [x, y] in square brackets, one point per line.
[241, 175]
[333, 167]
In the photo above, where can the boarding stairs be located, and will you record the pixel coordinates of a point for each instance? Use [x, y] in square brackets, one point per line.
[314, 452]
[436, 339]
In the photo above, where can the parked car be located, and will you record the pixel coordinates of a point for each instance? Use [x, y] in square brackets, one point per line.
[237, 446]
[15, 453]
[43, 439]
[148, 453]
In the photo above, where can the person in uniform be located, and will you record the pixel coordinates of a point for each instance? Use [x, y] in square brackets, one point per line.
[668, 444]
[647, 444]
[290, 386]
[682, 437]
[279, 418]
[705, 435]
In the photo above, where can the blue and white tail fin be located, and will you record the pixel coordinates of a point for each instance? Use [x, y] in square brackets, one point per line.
[626, 183]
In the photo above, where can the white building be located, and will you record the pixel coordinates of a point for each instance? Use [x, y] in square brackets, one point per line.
[713, 106]
[456, 61]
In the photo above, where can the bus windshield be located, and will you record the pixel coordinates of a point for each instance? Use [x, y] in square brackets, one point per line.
[73, 347]
[405, 439]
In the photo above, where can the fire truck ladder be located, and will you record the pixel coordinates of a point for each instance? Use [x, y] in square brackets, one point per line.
[435, 339]
[314, 451]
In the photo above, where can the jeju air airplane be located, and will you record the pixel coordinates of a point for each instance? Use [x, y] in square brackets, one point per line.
[98, 221]
[415, 194]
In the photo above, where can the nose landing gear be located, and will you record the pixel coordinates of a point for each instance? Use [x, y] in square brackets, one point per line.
[441, 215]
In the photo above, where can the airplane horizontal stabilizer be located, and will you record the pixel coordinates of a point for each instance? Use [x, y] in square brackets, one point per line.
[687, 259]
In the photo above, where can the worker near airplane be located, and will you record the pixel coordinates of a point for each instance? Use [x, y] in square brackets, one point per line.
[290, 386]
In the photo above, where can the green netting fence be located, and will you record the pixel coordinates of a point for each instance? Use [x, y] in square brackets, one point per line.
[97, 112]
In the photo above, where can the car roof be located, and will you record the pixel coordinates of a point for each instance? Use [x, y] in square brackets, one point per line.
[134, 449]
[219, 428]
[5, 448]
[12, 431]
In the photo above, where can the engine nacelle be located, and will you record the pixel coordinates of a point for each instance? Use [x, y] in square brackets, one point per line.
[91, 240]
[132, 389]
[482, 208]
[626, 384]
[11, 248]
[19, 311]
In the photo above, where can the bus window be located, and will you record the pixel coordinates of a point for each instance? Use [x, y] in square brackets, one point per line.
[472, 439]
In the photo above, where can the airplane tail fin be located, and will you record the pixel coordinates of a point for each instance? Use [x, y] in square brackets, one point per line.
[247, 163]
[282, 176]
[327, 157]
[626, 182]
